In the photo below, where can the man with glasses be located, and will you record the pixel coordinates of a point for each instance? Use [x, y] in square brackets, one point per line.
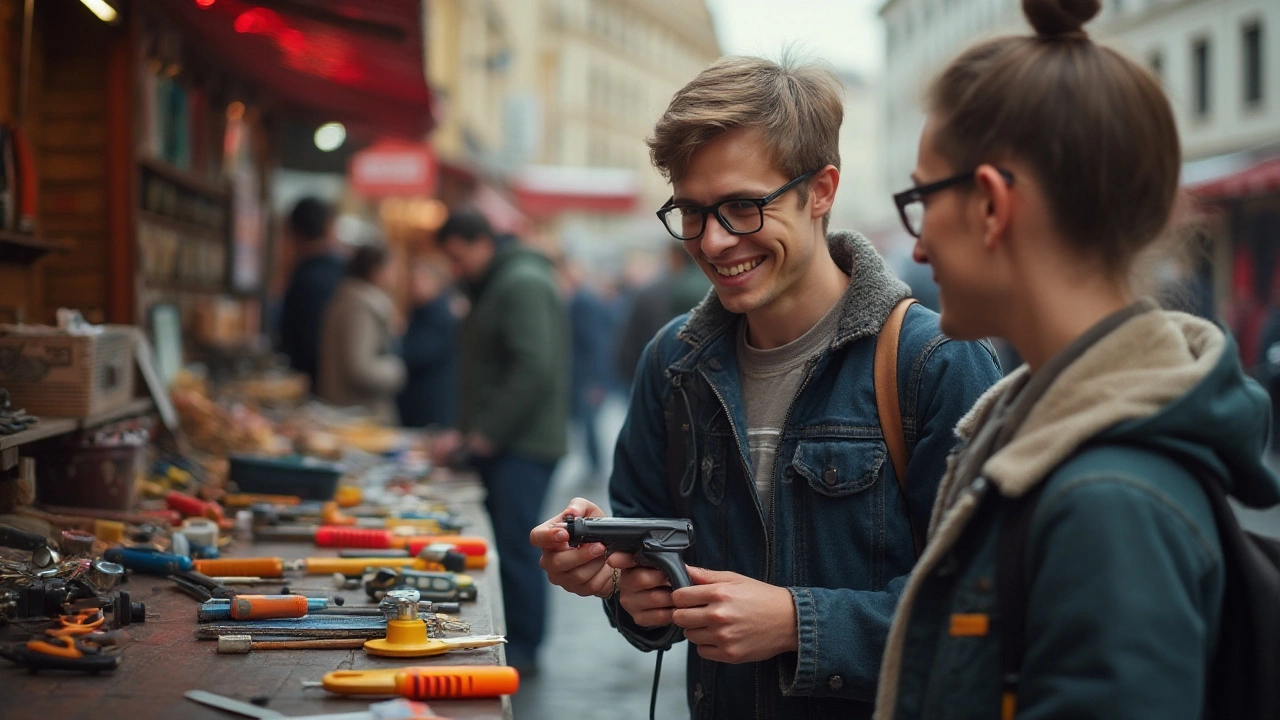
[755, 416]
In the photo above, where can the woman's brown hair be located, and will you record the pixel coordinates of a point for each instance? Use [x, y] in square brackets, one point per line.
[1095, 127]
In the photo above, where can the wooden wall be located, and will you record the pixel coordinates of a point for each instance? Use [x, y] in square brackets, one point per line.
[71, 144]
[69, 128]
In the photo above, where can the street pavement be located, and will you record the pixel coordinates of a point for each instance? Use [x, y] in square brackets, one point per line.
[587, 670]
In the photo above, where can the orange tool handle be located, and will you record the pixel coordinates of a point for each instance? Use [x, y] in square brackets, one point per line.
[433, 683]
[331, 536]
[244, 500]
[266, 567]
[465, 544]
[426, 682]
[266, 607]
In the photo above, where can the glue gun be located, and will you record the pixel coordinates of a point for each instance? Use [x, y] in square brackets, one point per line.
[656, 542]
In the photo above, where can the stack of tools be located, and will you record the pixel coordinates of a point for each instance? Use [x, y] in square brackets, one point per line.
[74, 590]
[13, 421]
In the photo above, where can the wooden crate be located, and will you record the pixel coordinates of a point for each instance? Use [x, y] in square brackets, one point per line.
[75, 376]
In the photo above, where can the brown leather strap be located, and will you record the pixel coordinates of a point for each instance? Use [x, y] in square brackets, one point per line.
[886, 380]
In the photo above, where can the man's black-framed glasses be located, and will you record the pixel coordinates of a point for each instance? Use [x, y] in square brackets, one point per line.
[739, 216]
[911, 202]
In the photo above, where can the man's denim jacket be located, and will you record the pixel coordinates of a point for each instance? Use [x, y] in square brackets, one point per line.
[838, 536]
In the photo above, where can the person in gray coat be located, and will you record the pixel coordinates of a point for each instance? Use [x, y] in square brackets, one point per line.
[358, 365]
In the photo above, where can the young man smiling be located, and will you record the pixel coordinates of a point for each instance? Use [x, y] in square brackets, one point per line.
[755, 416]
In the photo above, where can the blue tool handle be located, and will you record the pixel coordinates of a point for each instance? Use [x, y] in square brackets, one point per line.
[148, 561]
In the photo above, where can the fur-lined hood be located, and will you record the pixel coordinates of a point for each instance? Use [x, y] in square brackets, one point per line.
[1161, 380]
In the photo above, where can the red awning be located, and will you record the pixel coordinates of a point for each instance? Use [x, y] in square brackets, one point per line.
[547, 190]
[1260, 178]
[351, 61]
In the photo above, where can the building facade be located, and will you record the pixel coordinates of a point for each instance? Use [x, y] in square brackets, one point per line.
[566, 90]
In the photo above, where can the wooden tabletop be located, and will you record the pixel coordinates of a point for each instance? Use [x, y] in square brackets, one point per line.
[164, 659]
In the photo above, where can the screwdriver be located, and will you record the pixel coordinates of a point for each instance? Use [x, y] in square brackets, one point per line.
[434, 682]
[148, 560]
[274, 567]
[348, 537]
[259, 607]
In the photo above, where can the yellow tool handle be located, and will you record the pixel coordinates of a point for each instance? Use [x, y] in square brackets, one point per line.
[266, 567]
[353, 566]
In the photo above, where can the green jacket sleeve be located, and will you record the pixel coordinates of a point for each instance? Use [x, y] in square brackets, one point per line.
[532, 330]
[1125, 585]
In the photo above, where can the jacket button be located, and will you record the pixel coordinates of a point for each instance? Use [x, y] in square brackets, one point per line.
[830, 477]
[716, 364]
[835, 682]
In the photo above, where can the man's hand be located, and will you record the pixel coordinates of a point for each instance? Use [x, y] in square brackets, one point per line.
[581, 570]
[445, 447]
[735, 619]
[643, 592]
[479, 446]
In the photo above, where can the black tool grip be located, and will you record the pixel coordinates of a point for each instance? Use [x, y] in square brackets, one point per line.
[12, 537]
[669, 563]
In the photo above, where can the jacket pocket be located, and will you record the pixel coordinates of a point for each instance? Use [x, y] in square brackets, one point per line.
[838, 468]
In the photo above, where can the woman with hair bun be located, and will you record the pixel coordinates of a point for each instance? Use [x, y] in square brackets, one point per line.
[1073, 567]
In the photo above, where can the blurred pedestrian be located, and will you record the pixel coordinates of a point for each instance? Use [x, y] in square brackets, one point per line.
[590, 321]
[514, 410]
[430, 348]
[680, 287]
[318, 270]
[358, 363]
[1074, 568]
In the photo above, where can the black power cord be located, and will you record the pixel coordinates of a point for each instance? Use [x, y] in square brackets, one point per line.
[657, 674]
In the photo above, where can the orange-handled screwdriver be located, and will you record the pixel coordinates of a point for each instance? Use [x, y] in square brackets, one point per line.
[426, 683]
[246, 567]
[267, 607]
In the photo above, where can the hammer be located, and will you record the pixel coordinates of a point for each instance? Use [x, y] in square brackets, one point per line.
[244, 644]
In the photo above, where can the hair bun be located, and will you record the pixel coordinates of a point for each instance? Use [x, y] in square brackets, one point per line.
[1055, 18]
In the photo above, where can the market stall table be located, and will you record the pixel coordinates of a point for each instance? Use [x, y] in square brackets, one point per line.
[164, 659]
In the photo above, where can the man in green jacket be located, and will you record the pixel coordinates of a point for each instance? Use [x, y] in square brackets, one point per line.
[515, 405]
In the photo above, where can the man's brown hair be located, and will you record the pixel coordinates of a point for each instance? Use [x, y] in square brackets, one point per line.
[796, 106]
[1095, 127]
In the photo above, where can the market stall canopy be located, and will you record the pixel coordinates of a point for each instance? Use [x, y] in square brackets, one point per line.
[351, 61]
[1243, 177]
[542, 190]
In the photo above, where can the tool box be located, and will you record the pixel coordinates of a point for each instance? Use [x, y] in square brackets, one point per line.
[306, 477]
[55, 374]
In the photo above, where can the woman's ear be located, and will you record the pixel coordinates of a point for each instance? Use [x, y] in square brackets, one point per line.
[998, 198]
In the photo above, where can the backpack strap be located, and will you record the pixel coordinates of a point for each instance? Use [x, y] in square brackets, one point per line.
[1011, 594]
[885, 373]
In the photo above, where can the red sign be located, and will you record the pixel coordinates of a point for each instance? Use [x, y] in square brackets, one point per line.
[393, 168]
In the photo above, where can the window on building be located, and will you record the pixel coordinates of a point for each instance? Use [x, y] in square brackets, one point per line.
[1200, 59]
[1252, 47]
[1156, 63]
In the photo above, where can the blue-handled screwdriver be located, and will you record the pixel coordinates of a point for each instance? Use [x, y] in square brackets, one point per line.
[148, 560]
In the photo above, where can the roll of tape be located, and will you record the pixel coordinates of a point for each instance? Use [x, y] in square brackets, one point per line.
[201, 531]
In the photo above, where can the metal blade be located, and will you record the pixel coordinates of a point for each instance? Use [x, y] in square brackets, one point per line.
[234, 706]
[473, 641]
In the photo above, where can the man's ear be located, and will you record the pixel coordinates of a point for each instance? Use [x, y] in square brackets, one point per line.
[997, 204]
[822, 190]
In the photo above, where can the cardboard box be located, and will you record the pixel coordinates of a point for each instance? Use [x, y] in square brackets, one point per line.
[53, 374]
